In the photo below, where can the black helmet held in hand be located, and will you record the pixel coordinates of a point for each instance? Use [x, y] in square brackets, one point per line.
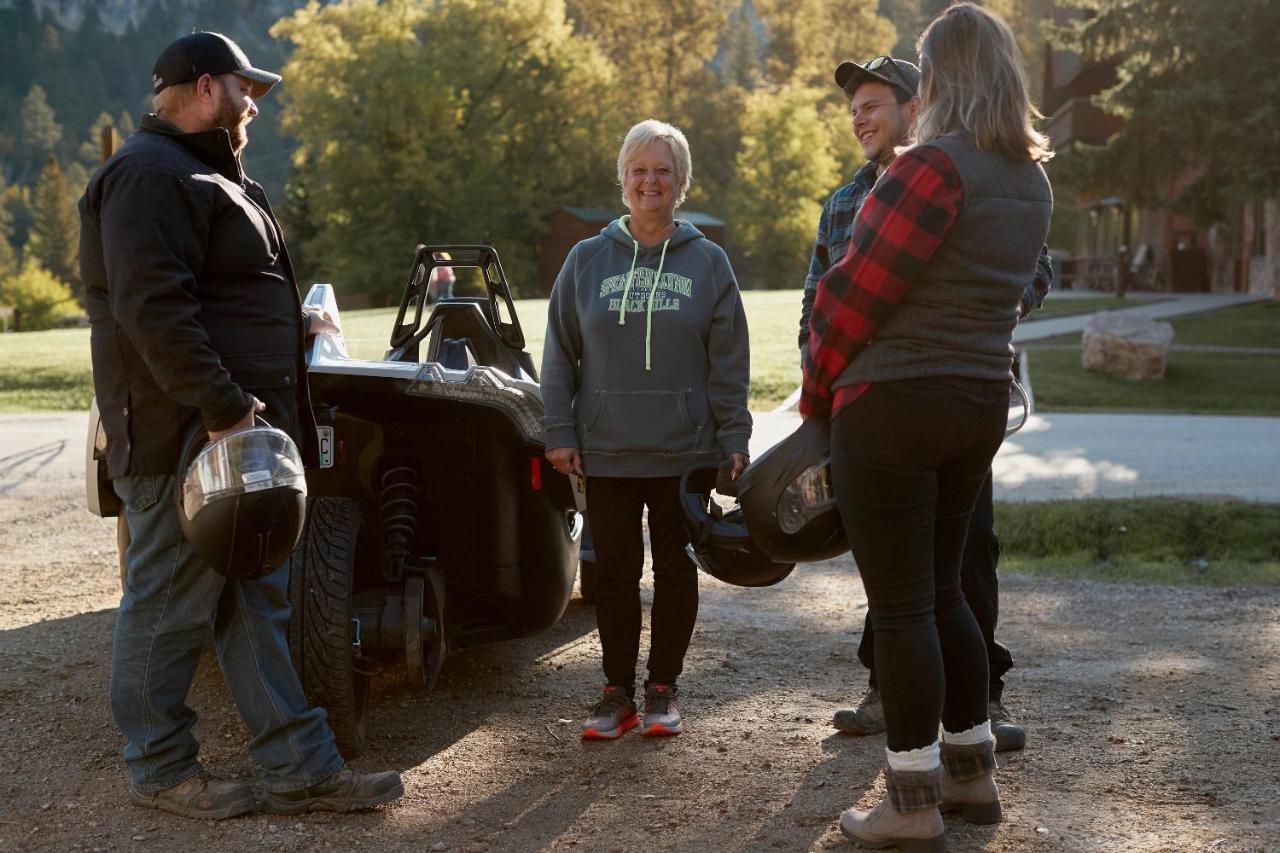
[241, 499]
[787, 500]
[719, 541]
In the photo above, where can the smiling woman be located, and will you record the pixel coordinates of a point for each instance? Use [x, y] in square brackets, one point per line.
[645, 373]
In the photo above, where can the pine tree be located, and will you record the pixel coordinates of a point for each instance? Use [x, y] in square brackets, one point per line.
[1198, 90]
[54, 240]
[8, 257]
[38, 133]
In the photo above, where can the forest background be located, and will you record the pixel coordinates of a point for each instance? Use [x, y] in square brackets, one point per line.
[470, 121]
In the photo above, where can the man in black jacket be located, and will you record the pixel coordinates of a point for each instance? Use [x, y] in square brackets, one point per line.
[195, 314]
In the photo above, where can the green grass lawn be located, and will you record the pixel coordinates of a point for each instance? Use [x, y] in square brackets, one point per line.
[1147, 540]
[49, 371]
[1194, 382]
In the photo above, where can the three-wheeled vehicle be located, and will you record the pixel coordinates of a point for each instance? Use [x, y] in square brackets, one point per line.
[433, 521]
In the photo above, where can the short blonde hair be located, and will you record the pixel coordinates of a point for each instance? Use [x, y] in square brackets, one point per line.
[972, 81]
[645, 134]
[173, 98]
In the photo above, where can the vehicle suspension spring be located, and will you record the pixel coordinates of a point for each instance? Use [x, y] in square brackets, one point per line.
[399, 514]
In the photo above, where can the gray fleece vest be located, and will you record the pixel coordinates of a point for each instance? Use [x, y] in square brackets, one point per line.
[957, 318]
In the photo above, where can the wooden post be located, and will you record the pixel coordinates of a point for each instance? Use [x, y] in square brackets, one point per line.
[110, 141]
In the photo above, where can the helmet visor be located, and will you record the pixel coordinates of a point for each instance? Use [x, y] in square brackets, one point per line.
[247, 461]
[806, 497]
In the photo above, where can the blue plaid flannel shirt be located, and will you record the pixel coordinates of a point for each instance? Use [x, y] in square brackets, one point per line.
[835, 230]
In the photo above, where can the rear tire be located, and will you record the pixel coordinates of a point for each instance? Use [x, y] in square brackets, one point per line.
[321, 635]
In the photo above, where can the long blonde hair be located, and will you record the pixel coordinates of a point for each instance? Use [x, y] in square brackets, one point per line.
[972, 81]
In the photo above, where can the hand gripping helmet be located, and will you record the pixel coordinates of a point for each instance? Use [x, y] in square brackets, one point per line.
[720, 543]
[787, 500]
[242, 499]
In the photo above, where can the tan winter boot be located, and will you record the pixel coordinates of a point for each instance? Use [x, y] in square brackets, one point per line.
[968, 783]
[906, 818]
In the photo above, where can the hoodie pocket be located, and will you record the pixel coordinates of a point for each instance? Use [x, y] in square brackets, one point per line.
[641, 422]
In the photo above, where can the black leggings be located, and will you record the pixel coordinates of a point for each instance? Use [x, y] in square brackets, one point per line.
[981, 586]
[907, 461]
[615, 506]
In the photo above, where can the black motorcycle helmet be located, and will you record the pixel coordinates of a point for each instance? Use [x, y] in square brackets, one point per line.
[719, 541]
[787, 500]
[241, 499]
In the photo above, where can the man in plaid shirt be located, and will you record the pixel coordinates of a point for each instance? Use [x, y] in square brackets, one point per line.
[883, 105]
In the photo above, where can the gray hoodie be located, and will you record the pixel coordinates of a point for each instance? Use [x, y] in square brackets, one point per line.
[646, 381]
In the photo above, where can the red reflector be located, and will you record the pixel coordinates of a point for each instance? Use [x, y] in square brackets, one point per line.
[535, 473]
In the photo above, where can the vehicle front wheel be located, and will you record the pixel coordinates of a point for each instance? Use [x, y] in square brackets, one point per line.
[321, 628]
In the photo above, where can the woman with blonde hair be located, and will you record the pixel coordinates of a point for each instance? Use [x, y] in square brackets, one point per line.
[645, 373]
[941, 252]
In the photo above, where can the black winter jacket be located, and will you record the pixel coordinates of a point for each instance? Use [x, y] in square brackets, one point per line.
[191, 298]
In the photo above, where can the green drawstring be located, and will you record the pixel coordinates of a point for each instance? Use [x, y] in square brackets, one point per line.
[626, 288]
[648, 320]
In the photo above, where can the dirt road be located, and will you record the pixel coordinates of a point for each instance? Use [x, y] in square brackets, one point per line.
[1152, 715]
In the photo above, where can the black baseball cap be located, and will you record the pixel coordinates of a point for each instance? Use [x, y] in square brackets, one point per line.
[898, 73]
[192, 56]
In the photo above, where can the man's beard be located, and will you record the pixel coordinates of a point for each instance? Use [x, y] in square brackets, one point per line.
[236, 124]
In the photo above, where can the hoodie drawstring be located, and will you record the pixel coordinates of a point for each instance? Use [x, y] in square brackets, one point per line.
[626, 288]
[626, 291]
[648, 319]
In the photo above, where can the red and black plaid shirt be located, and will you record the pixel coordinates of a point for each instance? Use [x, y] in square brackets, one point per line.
[899, 228]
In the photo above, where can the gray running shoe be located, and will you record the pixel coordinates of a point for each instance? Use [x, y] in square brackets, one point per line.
[661, 711]
[1009, 735]
[866, 719]
[200, 798]
[612, 717]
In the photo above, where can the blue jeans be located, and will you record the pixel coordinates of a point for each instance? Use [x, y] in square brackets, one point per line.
[171, 602]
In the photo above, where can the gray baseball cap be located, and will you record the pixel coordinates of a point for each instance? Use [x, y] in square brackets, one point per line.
[898, 73]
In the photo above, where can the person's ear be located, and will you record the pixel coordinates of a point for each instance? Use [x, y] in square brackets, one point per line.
[205, 88]
[913, 108]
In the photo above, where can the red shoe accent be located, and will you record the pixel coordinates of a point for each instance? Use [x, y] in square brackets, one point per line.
[659, 730]
[610, 734]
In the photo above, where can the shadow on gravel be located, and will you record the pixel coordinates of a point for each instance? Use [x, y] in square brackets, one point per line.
[18, 468]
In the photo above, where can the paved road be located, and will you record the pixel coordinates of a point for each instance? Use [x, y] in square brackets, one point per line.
[1118, 456]
[1055, 456]
[1156, 305]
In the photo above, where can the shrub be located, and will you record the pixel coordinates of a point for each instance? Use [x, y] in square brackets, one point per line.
[43, 301]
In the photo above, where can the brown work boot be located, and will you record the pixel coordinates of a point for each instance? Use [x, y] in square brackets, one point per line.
[968, 782]
[866, 719]
[344, 791]
[906, 818]
[200, 798]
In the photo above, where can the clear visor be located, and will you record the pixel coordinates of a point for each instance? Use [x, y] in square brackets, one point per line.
[247, 461]
[806, 497]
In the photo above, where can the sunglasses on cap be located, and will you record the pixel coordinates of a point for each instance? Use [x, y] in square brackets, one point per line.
[882, 63]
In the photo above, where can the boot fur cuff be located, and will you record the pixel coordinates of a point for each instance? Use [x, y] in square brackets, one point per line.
[969, 761]
[913, 790]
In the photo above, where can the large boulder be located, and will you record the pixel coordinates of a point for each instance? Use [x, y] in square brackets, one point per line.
[1127, 345]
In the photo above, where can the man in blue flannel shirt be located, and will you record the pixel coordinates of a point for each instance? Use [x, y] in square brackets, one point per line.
[883, 103]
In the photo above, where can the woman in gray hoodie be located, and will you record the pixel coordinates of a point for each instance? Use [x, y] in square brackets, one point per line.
[645, 372]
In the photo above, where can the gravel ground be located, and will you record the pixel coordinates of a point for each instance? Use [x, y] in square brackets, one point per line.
[1152, 717]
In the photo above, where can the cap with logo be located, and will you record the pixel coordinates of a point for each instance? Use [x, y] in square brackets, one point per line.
[193, 56]
[898, 73]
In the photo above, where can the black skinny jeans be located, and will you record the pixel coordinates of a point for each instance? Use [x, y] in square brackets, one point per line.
[615, 506]
[981, 587]
[908, 459]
